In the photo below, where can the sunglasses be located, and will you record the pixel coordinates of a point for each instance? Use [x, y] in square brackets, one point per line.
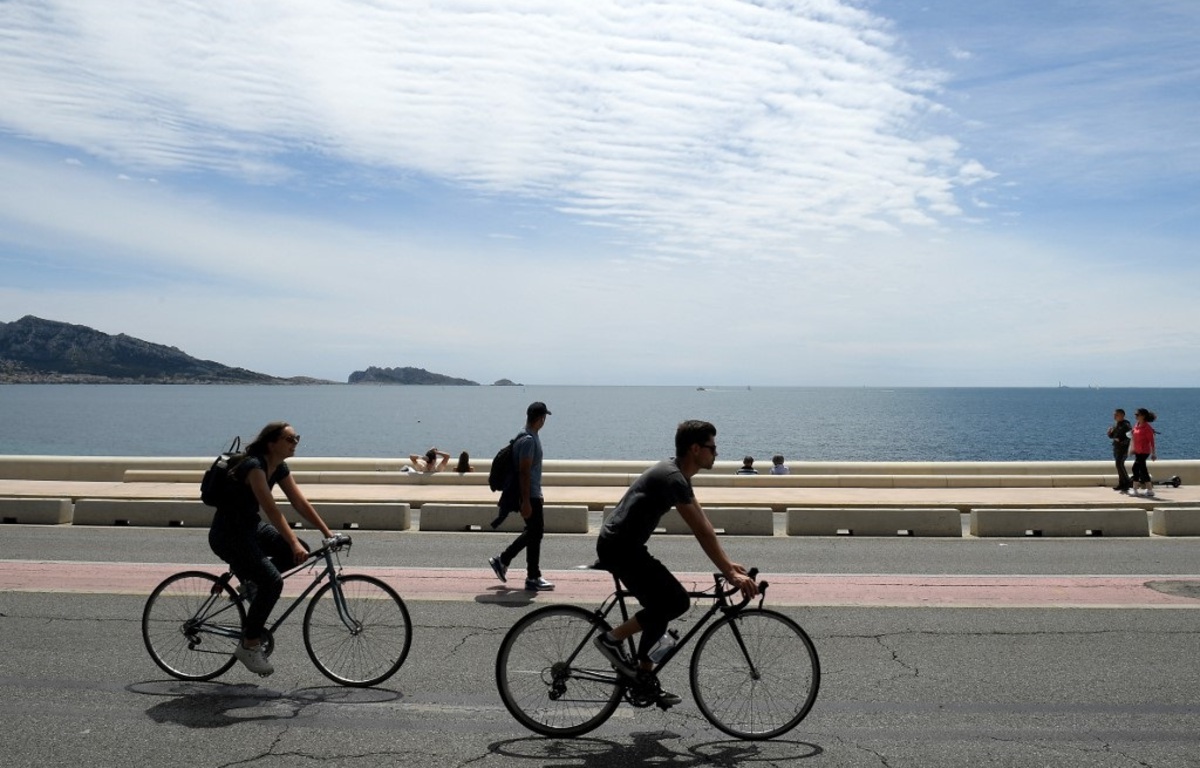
[293, 439]
[712, 448]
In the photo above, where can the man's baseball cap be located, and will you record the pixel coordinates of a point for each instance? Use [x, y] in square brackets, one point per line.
[537, 409]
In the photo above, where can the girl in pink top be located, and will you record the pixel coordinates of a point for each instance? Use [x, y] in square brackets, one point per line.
[1143, 448]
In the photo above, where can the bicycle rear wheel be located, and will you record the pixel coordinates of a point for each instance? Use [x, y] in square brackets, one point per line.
[191, 625]
[755, 674]
[550, 676]
[366, 646]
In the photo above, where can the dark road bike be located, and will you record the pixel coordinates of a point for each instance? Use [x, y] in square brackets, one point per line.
[754, 672]
[356, 628]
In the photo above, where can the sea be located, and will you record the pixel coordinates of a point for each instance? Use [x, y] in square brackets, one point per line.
[608, 422]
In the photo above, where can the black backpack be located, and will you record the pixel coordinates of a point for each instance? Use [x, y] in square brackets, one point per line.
[219, 487]
[504, 466]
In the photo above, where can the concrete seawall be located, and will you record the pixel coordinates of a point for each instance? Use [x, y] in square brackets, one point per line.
[818, 498]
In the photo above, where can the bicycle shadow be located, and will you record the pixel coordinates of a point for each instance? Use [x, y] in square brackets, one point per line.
[650, 749]
[218, 705]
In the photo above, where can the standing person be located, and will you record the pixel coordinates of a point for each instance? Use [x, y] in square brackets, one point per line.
[1143, 448]
[777, 465]
[258, 550]
[1119, 434]
[747, 467]
[524, 493]
[622, 550]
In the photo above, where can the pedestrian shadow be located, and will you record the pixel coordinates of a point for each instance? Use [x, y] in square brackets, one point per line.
[508, 596]
[651, 749]
[218, 705]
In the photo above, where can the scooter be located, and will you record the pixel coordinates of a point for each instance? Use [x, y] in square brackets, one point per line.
[1172, 481]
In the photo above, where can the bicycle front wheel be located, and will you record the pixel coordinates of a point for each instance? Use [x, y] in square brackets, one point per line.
[191, 625]
[755, 674]
[550, 676]
[367, 643]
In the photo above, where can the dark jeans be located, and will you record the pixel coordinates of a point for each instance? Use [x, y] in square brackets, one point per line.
[1120, 451]
[661, 595]
[1140, 473]
[257, 554]
[530, 540]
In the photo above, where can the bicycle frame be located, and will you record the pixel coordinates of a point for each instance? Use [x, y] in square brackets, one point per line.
[720, 604]
[332, 567]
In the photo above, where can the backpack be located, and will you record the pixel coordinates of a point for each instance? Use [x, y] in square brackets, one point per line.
[503, 468]
[218, 487]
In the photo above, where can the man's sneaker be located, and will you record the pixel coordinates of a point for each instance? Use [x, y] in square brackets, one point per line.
[615, 653]
[498, 568]
[538, 585]
[666, 699]
[254, 659]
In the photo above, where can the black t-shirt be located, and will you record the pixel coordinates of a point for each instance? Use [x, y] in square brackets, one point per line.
[246, 503]
[656, 492]
[1119, 432]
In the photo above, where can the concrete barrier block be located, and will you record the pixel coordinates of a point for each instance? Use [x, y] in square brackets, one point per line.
[1175, 521]
[729, 521]
[874, 521]
[479, 517]
[36, 511]
[366, 516]
[1106, 521]
[142, 512]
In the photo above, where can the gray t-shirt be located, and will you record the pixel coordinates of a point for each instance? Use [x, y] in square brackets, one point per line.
[529, 446]
[659, 490]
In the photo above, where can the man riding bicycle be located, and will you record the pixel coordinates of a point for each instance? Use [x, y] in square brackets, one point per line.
[622, 550]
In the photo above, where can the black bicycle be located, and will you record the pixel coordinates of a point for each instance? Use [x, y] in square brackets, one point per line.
[356, 628]
[754, 673]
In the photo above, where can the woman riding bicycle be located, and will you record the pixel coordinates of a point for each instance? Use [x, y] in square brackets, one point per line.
[258, 550]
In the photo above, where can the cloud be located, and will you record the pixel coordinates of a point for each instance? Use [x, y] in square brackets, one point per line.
[683, 122]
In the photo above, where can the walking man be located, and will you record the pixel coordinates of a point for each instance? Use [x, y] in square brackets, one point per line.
[1119, 434]
[524, 494]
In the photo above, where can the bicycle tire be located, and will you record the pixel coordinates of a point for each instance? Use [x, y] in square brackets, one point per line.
[183, 643]
[378, 645]
[762, 703]
[550, 676]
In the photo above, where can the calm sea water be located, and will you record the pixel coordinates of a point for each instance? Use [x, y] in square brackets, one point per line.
[822, 424]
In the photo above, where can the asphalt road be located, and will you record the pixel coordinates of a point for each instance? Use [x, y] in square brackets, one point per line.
[921, 687]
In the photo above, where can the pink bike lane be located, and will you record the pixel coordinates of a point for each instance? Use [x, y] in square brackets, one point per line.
[587, 587]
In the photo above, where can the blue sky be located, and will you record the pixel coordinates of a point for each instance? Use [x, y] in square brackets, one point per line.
[847, 193]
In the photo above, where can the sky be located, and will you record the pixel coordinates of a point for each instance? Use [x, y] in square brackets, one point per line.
[703, 192]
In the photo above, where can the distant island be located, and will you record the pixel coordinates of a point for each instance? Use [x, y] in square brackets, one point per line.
[410, 376]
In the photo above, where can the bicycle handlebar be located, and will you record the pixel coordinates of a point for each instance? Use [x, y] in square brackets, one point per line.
[753, 574]
[334, 543]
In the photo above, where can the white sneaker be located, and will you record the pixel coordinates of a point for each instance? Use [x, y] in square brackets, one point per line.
[1150, 493]
[254, 659]
[1132, 492]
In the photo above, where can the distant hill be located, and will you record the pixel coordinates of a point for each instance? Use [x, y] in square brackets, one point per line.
[374, 375]
[33, 350]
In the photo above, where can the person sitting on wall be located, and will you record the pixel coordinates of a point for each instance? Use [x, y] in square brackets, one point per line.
[464, 464]
[777, 465]
[747, 467]
[434, 460]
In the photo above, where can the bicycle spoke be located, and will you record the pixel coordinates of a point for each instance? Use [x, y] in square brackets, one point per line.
[191, 625]
[551, 678]
[364, 644]
[755, 675]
